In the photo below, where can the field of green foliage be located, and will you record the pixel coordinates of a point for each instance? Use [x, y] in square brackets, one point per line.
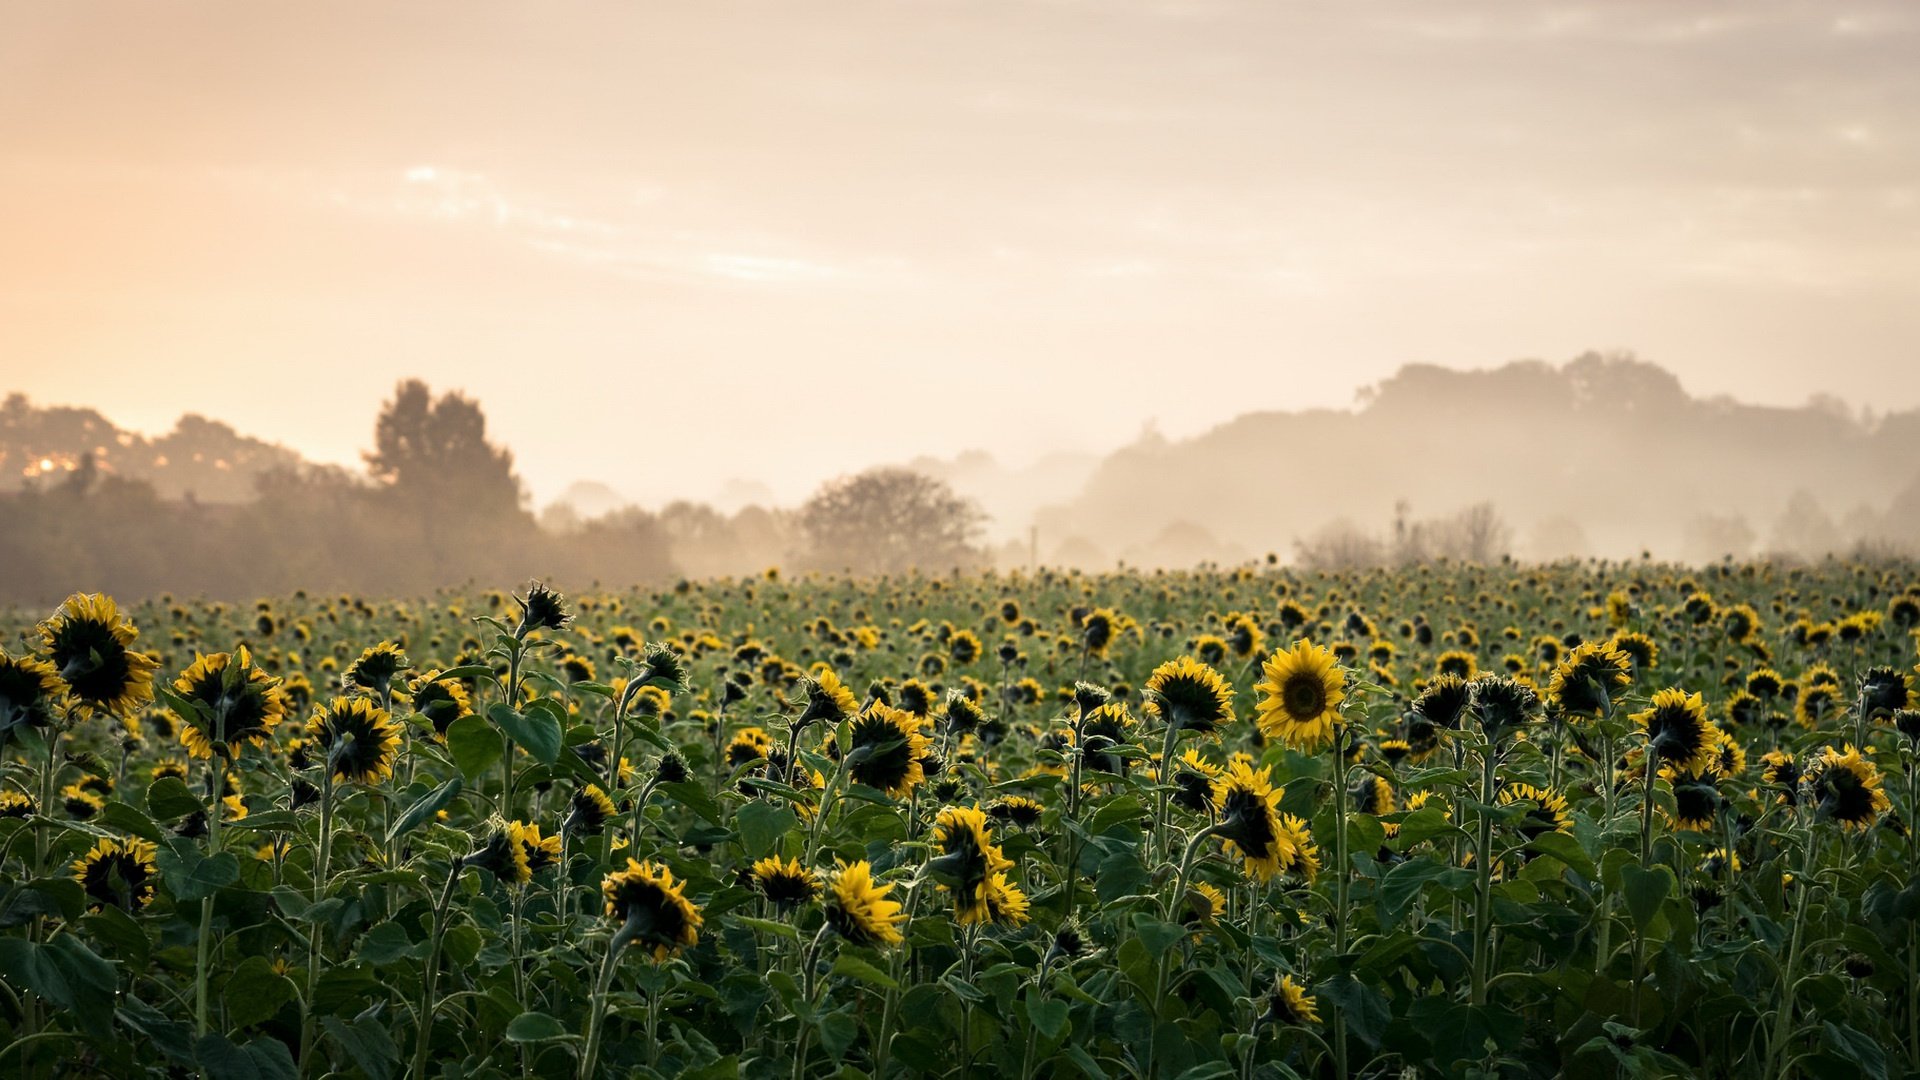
[1585, 820]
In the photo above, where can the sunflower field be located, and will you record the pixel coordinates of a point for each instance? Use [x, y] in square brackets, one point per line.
[1589, 819]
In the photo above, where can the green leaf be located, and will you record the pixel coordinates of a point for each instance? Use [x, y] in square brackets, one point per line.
[694, 797]
[475, 746]
[534, 1027]
[1860, 1049]
[125, 938]
[761, 825]
[424, 809]
[1157, 936]
[388, 943]
[255, 992]
[190, 877]
[130, 819]
[1645, 890]
[1424, 824]
[66, 973]
[1404, 884]
[1048, 1015]
[1562, 846]
[264, 1058]
[169, 798]
[367, 1041]
[537, 732]
[768, 926]
[854, 967]
[57, 897]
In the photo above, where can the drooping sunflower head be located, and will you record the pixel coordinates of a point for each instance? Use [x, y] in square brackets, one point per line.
[588, 811]
[828, 699]
[1816, 705]
[1300, 695]
[1249, 821]
[1884, 691]
[1642, 652]
[858, 908]
[1779, 769]
[1585, 682]
[1189, 695]
[238, 704]
[1503, 704]
[1017, 810]
[90, 646]
[1372, 795]
[1846, 787]
[968, 859]
[1006, 904]
[15, 804]
[542, 851]
[1545, 810]
[1289, 1005]
[359, 738]
[747, 746]
[441, 701]
[117, 873]
[1907, 722]
[887, 745]
[1678, 730]
[543, 609]
[651, 908]
[963, 714]
[1765, 683]
[1696, 799]
[377, 667]
[1193, 779]
[1096, 631]
[500, 852]
[785, 884]
[30, 691]
[1443, 701]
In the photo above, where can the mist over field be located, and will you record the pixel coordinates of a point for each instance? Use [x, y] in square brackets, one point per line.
[1600, 456]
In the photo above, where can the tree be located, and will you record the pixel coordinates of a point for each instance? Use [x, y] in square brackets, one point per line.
[435, 455]
[889, 521]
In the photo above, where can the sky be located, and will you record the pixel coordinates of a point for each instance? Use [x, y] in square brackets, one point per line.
[671, 244]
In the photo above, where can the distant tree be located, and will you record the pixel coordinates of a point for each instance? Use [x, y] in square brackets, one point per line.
[1338, 545]
[435, 454]
[1804, 529]
[889, 520]
[1477, 534]
[1710, 537]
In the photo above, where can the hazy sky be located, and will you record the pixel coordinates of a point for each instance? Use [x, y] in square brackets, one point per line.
[671, 243]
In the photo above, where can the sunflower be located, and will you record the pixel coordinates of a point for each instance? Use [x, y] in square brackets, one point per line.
[1096, 631]
[441, 701]
[1456, 662]
[1641, 650]
[1289, 1005]
[1778, 769]
[1815, 705]
[968, 859]
[501, 852]
[87, 641]
[858, 909]
[1729, 757]
[30, 690]
[1005, 903]
[1503, 704]
[651, 908]
[543, 609]
[786, 884]
[747, 746]
[117, 873]
[828, 700]
[541, 851]
[1305, 861]
[1193, 780]
[360, 738]
[1678, 730]
[1016, 810]
[1443, 701]
[1204, 904]
[377, 666]
[1545, 811]
[1884, 691]
[241, 707]
[588, 811]
[1765, 683]
[886, 749]
[1189, 695]
[15, 804]
[1372, 795]
[1696, 801]
[1583, 684]
[1846, 787]
[1249, 820]
[80, 803]
[1300, 695]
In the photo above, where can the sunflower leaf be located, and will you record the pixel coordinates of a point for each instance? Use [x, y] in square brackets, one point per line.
[424, 809]
[535, 730]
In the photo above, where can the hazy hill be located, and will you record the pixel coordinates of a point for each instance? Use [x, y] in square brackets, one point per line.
[1613, 445]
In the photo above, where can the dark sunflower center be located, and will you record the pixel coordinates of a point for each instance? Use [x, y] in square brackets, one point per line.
[92, 661]
[1305, 696]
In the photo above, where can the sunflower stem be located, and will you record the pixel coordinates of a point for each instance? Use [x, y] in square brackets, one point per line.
[1483, 874]
[1783, 1019]
[423, 1039]
[1340, 887]
[203, 947]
